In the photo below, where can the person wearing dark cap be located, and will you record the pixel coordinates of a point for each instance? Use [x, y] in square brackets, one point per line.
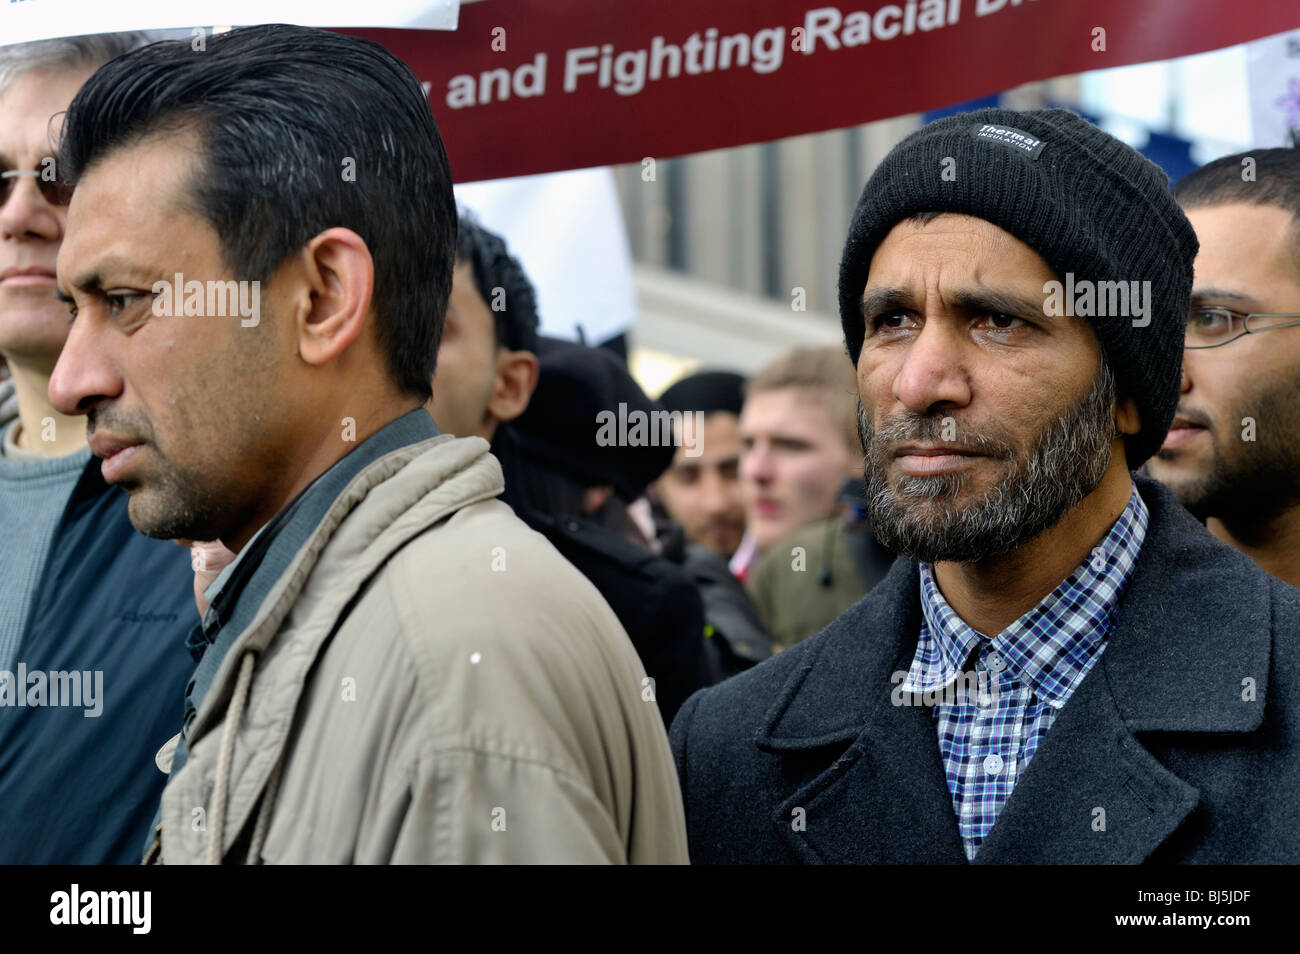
[701, 490]
[1064, 666]
[578, 460]
[703, 516]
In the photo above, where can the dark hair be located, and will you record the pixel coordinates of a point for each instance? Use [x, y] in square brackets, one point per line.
[494, 267]
[285, 114]
[924, 218]
[1274, 180]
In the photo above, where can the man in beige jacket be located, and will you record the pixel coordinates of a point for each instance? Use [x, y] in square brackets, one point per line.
[394, 668]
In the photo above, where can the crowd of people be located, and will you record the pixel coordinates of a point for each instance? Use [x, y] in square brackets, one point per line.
[352, 577]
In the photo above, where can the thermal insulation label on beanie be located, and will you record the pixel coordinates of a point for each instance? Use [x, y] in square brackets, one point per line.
[1017, 139]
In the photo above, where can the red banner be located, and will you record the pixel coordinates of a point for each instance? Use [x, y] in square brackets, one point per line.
[526, 86]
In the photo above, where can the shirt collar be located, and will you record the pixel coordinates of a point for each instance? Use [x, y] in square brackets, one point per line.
[1051, 647]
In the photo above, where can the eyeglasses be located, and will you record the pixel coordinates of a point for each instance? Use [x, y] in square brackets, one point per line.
[55, 191]
[1215, 327]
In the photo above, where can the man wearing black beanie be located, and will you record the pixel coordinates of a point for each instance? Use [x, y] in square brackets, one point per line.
[1063, 666]
[701, 487]
[700, 518]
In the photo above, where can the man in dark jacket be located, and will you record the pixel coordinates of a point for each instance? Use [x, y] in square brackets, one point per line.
[1065, 666]
[571, 474]
[93, 616]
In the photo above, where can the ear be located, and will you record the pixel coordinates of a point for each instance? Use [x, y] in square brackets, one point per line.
[513, 386]
[1127, 418]
[340, 277]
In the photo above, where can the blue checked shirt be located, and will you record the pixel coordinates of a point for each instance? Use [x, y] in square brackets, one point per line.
[991, 722]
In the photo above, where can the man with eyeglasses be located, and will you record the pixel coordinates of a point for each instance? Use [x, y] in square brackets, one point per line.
[1233, 453]
[93, 616]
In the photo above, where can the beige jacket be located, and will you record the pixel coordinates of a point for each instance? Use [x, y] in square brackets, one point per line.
[429, 682]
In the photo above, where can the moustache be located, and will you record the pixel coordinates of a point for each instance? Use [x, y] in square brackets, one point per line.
[1199, 418]
[130, 427]
[906, 428]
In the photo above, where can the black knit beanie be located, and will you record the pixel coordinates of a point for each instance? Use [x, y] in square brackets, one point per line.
[706, 391]
[576, 384]
[1085, 202]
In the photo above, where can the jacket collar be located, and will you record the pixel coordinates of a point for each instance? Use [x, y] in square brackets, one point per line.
[363, 527]
[385, 506]
[1194, 623]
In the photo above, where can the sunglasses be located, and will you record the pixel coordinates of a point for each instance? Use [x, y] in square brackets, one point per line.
[55, 191]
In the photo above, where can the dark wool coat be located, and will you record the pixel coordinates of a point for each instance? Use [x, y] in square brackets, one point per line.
[1181, 745]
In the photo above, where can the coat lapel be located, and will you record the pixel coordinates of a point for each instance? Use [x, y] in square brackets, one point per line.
[1189, 653]
[883, 798]
[1091, 795]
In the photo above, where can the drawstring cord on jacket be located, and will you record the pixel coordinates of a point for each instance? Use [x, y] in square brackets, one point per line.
[264, 814]
[234, 714]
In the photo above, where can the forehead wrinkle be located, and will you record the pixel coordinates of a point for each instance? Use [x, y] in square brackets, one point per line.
[913, 274]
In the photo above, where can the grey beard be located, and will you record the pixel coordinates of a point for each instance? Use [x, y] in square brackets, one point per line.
[919, 517]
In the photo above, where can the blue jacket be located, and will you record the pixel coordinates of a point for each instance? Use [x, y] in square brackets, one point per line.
[79, 790]
[1181, 745]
